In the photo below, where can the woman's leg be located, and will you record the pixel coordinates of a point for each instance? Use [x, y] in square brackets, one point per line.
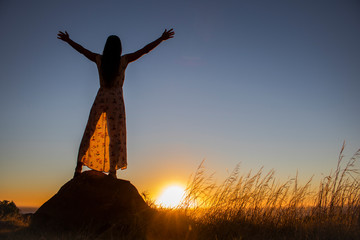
[94, 116]
[112, 126]
[117, 134]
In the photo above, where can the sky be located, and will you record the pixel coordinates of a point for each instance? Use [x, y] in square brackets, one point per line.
[260, 83]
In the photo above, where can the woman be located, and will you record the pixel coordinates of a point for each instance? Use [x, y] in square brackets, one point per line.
[103, 146]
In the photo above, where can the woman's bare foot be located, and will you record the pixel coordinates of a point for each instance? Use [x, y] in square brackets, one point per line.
[78, 169]
[77, 173]
[112, 174]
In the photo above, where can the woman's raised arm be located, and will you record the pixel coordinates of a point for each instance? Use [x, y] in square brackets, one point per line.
[66, 38]
[167, 34]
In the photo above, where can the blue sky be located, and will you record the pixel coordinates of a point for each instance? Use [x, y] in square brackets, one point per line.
[264, 83]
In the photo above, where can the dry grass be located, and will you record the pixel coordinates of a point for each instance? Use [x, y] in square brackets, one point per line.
[255, 205]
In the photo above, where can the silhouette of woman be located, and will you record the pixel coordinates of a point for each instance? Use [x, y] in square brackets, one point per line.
[103, 145]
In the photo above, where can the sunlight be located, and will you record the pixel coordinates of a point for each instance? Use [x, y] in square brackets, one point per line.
[171, 196]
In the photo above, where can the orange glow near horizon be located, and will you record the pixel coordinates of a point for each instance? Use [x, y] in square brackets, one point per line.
[29, 201]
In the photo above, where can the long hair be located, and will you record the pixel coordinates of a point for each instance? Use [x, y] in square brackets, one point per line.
[111, 59]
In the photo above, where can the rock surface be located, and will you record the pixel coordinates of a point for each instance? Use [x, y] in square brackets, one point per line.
[92, 201]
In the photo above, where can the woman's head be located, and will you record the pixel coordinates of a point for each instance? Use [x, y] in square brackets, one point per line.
[112, 46]
[111, 59]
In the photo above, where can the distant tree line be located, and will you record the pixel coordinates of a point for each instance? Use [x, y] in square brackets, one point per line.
[8, 208]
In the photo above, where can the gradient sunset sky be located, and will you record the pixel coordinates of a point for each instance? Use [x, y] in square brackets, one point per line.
[261, 83]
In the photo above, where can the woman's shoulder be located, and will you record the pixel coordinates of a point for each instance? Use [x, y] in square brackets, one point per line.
[124, 59]
[98, 58]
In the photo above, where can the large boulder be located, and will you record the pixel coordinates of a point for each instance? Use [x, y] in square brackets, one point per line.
[93, 201]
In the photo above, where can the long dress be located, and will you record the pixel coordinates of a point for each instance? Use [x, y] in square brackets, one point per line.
[103, 145]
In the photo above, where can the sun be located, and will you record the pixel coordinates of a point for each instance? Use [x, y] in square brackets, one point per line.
[171, 196]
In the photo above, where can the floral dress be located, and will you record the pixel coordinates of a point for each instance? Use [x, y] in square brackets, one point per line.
[103, 146]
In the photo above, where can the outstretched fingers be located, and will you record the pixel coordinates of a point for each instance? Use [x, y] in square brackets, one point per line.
[171, 33]
[168, 34]
[63, 36]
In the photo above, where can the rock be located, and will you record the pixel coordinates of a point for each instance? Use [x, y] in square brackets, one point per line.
[93, 201]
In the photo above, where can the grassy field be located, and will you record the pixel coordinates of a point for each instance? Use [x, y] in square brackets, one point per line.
[250, 206]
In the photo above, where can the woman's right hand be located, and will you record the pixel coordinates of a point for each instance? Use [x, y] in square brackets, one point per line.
[63, 36]
[167, 34]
